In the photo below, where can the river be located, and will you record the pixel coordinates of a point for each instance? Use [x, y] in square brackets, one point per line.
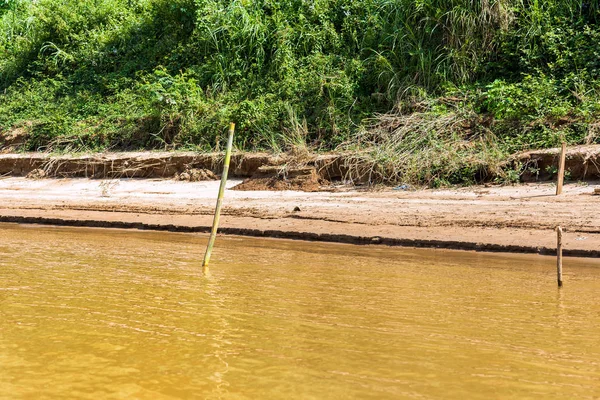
[100, 313]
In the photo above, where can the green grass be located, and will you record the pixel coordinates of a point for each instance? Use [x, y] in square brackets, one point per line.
[428, 91]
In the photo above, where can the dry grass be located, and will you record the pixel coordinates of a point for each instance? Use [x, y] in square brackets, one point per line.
[424, 148]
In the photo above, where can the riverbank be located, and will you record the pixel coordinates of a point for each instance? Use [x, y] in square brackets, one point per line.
[582, 163]
[495, 218]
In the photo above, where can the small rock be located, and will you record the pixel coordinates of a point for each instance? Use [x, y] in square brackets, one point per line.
[296, 209]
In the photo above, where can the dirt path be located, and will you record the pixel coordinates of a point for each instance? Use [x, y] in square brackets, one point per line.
[520, 218]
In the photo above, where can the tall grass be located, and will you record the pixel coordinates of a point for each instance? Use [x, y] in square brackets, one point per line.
[164, 73]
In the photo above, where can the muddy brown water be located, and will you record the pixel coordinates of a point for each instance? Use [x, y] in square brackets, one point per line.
[106, 314]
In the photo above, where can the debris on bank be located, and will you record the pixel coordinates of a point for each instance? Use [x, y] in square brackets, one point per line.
[581, 163]
[265, 170]
[196, 175]
[37, 174]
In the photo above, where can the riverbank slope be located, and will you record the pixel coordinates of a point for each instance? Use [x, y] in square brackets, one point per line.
[495, 218]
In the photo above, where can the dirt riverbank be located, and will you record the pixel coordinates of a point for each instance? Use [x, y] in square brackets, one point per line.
[514, 218]
[582, 163]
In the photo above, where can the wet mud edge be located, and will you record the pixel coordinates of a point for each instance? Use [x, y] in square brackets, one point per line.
[307, 236]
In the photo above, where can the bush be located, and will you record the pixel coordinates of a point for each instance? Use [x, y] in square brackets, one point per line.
[172, 73]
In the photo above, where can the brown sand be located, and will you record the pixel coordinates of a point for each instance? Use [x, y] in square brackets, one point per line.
[518, 218]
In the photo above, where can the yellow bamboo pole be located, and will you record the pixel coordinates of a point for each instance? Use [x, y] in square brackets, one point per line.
[215, 226]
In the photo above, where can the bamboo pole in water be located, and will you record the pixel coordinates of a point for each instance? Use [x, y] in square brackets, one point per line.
[561, 169]
[215, 226]
[559, 233]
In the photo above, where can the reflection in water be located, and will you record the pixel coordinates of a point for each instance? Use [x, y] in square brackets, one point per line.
[113, 314]
[221, 344]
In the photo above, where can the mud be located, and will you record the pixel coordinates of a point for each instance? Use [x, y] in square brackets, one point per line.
[510, 219]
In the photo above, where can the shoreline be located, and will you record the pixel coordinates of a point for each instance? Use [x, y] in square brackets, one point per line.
[511, 219]
[306, 236]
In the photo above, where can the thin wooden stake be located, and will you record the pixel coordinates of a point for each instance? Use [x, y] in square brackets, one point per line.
[215, 226]
[561, 169]
[559, 233]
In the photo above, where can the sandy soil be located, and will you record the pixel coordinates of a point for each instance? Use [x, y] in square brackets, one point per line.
[519, 218]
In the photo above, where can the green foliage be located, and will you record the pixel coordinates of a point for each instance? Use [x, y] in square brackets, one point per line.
[129, 74]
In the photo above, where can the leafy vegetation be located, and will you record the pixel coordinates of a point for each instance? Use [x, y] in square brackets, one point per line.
[430, 91]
